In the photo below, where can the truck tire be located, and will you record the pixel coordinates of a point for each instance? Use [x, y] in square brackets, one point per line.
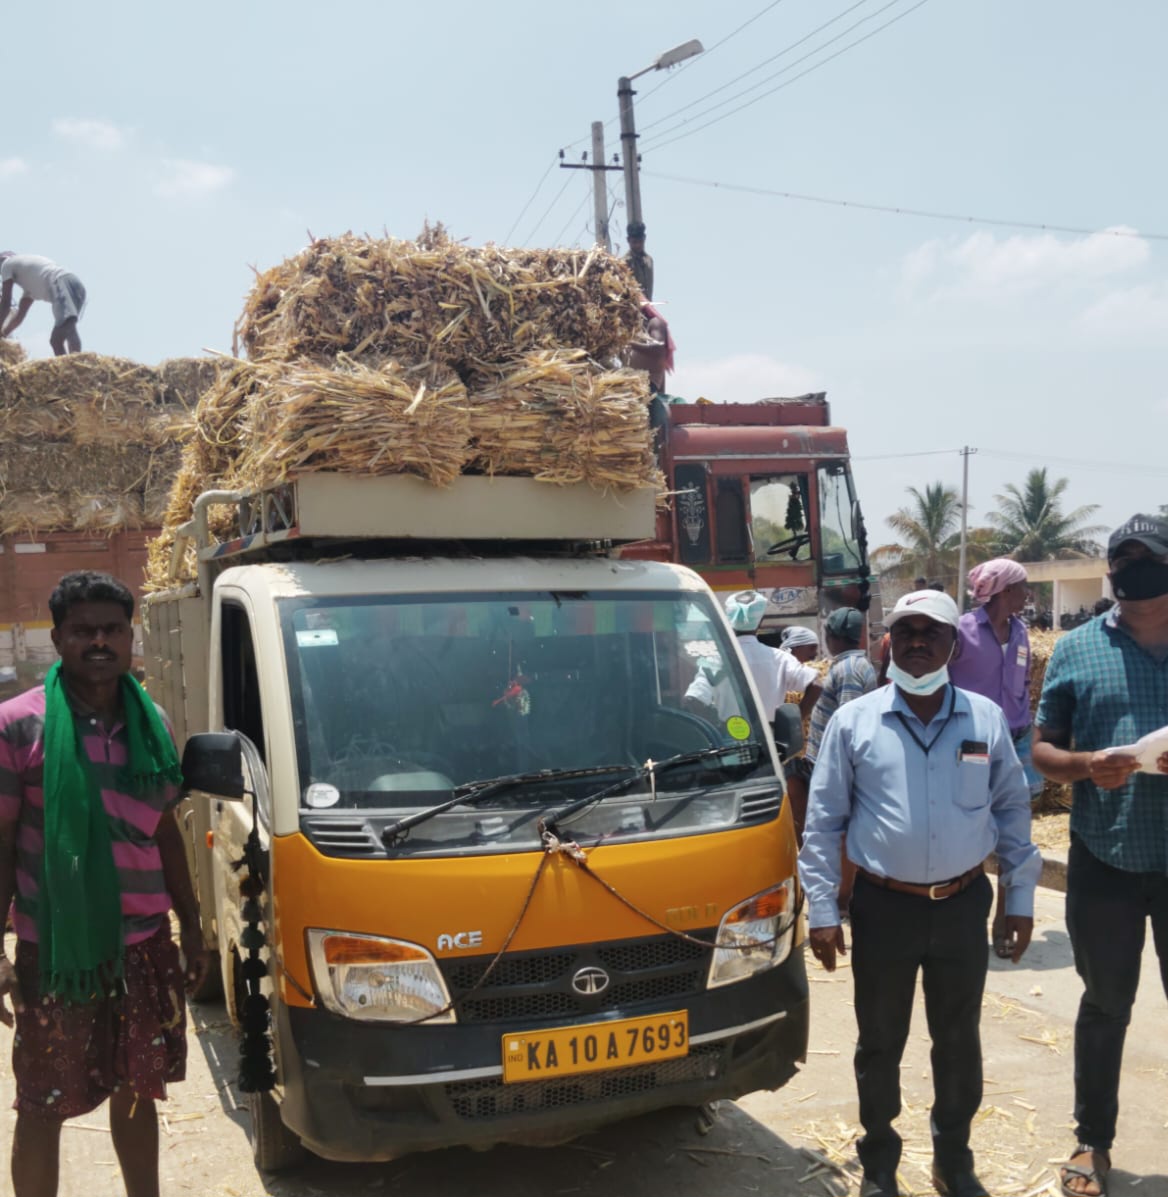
[274, 1146]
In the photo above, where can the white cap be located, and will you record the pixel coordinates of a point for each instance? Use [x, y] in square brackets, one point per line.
[796, 636]
[935, 604]
[745, 610]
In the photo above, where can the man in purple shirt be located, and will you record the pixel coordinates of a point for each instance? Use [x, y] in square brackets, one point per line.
[993, 658]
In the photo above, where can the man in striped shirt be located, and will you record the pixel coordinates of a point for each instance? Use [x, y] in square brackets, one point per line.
[92, 855]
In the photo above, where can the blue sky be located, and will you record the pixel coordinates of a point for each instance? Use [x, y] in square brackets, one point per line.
[162, 151]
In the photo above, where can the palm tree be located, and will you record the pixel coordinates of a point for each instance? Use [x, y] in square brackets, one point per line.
[1030, 524]
[929, 535]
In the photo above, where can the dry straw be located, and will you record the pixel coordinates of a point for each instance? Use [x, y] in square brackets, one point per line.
[436, 299]
[11, 352]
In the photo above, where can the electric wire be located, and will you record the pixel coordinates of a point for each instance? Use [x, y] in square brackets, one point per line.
[683, 67]
[548, 210]
[657, 145]
[922, 213]
[573, 218]
[767, 61]
[530, 201]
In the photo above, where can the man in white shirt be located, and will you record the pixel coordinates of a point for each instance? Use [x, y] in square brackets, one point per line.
[39, 278]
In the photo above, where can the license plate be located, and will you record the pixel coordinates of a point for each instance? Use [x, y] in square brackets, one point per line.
[593, 1047]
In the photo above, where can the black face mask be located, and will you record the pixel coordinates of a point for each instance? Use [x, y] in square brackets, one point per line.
[1143, 578]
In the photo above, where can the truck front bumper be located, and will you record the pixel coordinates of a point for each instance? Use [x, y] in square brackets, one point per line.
[359, 1091]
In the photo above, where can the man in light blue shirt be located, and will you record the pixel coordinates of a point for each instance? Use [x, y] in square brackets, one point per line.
[921, 781]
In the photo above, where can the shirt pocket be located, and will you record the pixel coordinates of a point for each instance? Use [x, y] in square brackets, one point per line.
[972, 789]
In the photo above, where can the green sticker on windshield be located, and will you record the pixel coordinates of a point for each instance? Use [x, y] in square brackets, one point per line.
[738, 728]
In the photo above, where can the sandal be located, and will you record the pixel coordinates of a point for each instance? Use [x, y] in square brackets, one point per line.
[1096, 1174]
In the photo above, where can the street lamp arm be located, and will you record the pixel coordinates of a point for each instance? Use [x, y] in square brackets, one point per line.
[671, 58]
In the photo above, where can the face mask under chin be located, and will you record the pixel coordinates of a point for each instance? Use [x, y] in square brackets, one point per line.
[1144, 578]
[921, 687]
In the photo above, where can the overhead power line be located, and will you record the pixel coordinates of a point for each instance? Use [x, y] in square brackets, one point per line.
[530, 201]
[572, 219]
[548, 210]
[922, 213]
[673, 72]
[660, 144]
[766, 62]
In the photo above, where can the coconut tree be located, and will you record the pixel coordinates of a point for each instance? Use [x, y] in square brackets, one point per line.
[928, 531]
[1030, 524]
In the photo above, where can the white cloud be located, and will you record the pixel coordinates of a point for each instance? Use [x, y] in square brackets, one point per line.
[1130, 314]
[11, 167]
[742, 378]
[184, 178]
[93, 134]
[985, 265]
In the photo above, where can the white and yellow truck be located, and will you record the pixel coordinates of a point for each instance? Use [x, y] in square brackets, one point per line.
[453, 814]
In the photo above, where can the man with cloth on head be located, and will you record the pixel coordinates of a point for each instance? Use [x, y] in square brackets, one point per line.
[91, 851]
[799, 647]
[38, 278]
[993, 658]
[921, 781]
[1106, 687]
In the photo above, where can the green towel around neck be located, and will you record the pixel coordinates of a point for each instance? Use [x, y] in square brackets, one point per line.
[79, 906]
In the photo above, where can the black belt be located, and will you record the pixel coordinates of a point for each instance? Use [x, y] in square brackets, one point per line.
[936, 892]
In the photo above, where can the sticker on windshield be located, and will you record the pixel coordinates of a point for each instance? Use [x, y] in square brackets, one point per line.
[314, 637]
[738, 728]
[321, 795]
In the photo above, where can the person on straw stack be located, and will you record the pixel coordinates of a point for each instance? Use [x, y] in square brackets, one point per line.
[91, 851]
[993, 658]
[38, 278]
[921, 781]
[1106, 687]
[639, 261]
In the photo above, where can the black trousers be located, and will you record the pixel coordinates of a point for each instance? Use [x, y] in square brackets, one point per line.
[1107, 918]
[893, 937]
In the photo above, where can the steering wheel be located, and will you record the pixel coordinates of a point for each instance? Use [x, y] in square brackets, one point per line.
[791, 545]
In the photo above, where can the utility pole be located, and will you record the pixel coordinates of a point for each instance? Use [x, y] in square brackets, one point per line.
[625, 94]
[965, 453]
[599, 190]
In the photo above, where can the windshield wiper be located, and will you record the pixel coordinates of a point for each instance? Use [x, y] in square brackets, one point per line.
[733, 755]
[475, 791]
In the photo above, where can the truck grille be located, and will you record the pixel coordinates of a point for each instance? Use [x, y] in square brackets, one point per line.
[527, 986]
[480, 1101]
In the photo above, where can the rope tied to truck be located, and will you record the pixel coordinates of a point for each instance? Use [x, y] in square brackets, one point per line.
[553, 846]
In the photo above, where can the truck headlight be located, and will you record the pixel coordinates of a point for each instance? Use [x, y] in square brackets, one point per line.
[369, 977]
[754, 936]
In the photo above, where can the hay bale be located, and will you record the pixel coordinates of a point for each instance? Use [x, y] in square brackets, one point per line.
[86, 378]
[557, 417]
[356, 419]
[435, 299]
[38, 467]
[165, 464]
[24, 421]
[26, 513]
[11, 352]
[184, 380]
[106, 513]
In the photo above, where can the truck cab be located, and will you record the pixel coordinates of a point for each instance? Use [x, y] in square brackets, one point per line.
[503, 877]
[763, 499]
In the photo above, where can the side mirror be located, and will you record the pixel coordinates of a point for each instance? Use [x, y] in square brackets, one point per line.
[788, 727]
[213, 764]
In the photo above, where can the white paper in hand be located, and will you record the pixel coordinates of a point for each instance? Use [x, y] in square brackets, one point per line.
[1147, 750]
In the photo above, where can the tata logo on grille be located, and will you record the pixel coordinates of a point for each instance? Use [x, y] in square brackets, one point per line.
[590, 981]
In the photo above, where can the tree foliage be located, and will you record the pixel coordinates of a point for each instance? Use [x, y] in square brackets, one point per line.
[1030, 524]
[929, 535]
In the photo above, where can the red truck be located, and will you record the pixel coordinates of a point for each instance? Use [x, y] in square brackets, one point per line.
[762, 497]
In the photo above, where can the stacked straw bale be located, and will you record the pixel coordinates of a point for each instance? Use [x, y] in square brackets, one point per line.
[426, 357]
[90, 442]
[435, 299]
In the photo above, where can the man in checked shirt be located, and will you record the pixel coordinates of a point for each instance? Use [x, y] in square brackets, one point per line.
[1107, 686]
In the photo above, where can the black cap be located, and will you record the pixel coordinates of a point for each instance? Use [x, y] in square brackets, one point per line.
[636, 229]
[1148, 530]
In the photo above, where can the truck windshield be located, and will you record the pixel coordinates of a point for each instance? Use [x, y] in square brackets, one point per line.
[397, 703]
[841, 552]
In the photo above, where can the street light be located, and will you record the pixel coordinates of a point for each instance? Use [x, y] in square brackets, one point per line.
[625, 94]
